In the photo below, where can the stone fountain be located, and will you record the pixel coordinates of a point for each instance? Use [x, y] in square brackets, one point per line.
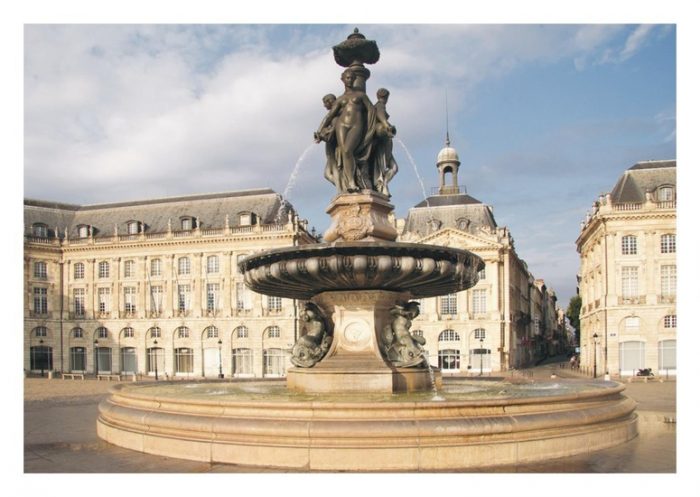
[362, 394]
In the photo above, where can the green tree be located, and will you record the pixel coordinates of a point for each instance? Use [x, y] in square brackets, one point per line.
[573, 311]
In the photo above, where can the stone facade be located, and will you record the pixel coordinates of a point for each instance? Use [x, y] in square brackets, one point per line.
[515, 314]
[140, 286]
[627, 279]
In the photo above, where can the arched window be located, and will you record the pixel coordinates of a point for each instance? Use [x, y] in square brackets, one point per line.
[103, 269]
[183, 265]
[128, 332]
[273, 332]
[156, 267]
[213, 264]
[480, 334]
[247, 218]
[629, 245]
[241, 332]
[670, 321]
[187, 223]
[632, 324]
[129, 269]
[132, 227]
[40, 331]
[183, 332]
[211, 332]
[79, 271]
[102, 332]
[83, 231]
[154, 332]
[448, 336]
[417, 333]
[77, 333]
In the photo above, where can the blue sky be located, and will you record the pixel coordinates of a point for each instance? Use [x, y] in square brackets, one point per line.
[544, 117]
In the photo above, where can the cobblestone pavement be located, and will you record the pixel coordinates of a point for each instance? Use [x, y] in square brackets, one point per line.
[60, 435]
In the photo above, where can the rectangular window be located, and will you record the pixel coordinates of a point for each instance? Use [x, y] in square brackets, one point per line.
[482, 274]
[668, 281]
[183, 265]
[629, 245]
[157, 298]
[239, 258]
[103, 299]
[156, 267]
[448, 304]
[41, 300]
[130, 299]
[274, 304]
[479, 301]
[630, 287]
[183, 297]
[243, 297]
[668, 244]
[79, 301]
[40, 270]
[212, 296]
[129, 269]
[103, 269]
[79, 271]
[670, 321]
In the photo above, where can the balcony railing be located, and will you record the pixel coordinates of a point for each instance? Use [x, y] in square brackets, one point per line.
[627, 207]
[640, 300]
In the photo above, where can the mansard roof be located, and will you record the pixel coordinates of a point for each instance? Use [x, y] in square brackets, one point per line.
[459, 211]
[209, 209]
[643, 177]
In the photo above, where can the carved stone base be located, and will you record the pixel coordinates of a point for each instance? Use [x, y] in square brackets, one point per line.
[360, 217]
[354, 362]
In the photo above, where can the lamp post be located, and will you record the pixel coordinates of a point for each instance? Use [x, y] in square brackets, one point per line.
[221, 373]
[155, 357]
[41, 348]
[595, 342]
[96, 343]
[481, 356]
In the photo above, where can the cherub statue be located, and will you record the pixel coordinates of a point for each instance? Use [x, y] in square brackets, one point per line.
[314, 342]
[400, 346]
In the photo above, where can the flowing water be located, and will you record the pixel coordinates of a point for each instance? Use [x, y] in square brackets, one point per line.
[420, 179]
[291, 182]
[436, 395]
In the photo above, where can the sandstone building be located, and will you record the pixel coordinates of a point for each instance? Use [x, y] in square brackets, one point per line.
[140, 287]
[627, 279]
[152, 287]
[508, 319]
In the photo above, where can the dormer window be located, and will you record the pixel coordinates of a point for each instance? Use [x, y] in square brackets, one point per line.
[83, 231]
[186, 223]
[665, 194]
[247, 218]
[40, 230]
[133, 227]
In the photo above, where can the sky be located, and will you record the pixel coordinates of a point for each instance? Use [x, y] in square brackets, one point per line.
[544, 117]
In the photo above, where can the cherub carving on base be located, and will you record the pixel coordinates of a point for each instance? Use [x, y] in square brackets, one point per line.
[312, 345]
[401, 347]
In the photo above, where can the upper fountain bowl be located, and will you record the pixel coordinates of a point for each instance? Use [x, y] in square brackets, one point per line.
[302, 272]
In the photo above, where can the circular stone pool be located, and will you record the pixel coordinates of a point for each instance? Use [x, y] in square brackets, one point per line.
[468, 424]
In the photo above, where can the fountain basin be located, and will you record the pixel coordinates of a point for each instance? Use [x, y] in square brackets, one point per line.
[418, 269]
[471, 424]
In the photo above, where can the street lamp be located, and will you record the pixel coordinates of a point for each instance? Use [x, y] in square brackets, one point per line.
[41, 349]
[96, 342]
[595, 342]
[221, 373]
[481, 356]
[155, 357]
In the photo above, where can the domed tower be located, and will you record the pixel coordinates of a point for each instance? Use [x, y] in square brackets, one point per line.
[448, 162]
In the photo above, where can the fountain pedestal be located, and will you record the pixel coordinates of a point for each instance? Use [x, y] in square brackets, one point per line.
[354, 363]
[360, 216]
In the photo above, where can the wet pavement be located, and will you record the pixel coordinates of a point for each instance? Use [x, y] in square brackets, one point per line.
[60, 435]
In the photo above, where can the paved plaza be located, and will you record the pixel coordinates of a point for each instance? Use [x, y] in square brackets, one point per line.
[60, 435]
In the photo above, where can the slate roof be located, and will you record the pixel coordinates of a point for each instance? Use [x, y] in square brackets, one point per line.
[210, 209]
[459, 211]
[642, 177]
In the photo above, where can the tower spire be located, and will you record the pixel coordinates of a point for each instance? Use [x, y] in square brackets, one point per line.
[447, 122]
